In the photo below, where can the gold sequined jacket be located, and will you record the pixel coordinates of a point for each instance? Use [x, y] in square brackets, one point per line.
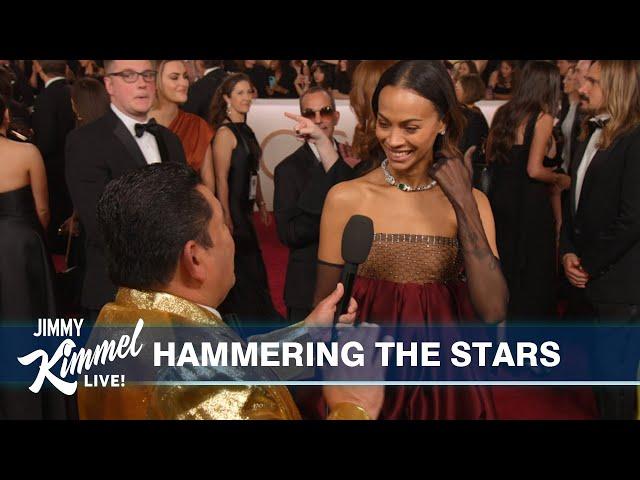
[176, 402]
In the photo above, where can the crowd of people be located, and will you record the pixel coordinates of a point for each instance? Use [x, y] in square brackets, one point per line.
[551, 228]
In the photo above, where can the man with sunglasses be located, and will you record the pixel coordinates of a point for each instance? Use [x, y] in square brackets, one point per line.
[123, 139]
[302, 181]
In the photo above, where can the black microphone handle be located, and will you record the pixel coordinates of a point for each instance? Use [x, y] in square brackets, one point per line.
[347, 278]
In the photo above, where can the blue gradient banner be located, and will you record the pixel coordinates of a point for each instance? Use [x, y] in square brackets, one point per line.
[578, 354]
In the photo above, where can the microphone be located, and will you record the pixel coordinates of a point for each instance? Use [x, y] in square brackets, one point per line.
[356, 244]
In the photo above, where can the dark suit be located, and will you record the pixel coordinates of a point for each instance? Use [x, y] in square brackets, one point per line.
[96, 154]
[201, 93]
[301, 186]
[575, 133]
[52, 120]
[22, 91]
[604, 232]
[259, 76]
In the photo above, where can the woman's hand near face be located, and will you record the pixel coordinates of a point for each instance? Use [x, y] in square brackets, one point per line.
[454, 176]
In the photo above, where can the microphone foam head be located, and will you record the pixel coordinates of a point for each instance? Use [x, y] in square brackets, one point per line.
[357, 239]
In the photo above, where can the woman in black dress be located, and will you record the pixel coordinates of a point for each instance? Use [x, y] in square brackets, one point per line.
[469, 90]
[236, 156]
[502, 81]
[520, 191]
[26, 271]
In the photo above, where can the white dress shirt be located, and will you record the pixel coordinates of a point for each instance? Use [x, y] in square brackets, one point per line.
[315, 151]
[54, 79]
[212, 310]
[589, 153]
[147, 142]
[209, 70]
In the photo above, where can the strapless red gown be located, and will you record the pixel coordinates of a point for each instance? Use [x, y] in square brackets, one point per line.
[411, 280]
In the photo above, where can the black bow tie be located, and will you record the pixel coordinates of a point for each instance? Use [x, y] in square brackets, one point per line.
[598, 122]
[151, 126]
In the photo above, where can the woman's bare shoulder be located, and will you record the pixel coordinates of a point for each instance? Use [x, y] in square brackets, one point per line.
[22, 151]
[352, 191]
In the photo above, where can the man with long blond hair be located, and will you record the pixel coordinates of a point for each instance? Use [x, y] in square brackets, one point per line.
[600, 239]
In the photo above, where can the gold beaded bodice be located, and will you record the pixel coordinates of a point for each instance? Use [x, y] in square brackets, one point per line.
[410, 258]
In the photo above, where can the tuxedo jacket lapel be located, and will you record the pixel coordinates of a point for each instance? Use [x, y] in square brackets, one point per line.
[125, 137]
[577, 160]
[162, 146]
[600, 157]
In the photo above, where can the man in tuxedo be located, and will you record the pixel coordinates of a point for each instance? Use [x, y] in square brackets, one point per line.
[121, 140]
[600, 236]
[52, 120]
[201, 92]
[302, 181]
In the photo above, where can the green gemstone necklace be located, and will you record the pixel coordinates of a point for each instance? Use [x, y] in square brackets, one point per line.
[403, 186]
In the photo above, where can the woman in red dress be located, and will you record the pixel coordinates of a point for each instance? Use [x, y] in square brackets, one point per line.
[195, 134]
[430, 226]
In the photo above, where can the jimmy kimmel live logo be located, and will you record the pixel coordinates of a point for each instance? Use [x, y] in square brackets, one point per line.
[67, 362]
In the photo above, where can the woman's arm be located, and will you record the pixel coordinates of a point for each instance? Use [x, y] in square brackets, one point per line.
[38, 176]
[487, 285]
[223, 145]
[206, 171]
[493, 79]
[335, 214]
[301, 85]
[262, 205]
[476, 231]
[539, 146]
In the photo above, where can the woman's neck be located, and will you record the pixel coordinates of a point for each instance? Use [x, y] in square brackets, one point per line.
[236, 117]
[417, 175]
[165, 112]
[471, 105]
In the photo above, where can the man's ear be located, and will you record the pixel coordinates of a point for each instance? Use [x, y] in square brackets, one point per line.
[107, 85]
[191, 261]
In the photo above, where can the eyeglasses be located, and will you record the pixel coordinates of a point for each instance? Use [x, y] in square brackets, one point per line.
[325, 112]
[131, 76]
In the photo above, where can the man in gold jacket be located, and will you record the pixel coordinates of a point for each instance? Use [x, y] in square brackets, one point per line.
[171, 254]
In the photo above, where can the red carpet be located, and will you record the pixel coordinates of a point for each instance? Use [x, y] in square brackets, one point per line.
[275, 257]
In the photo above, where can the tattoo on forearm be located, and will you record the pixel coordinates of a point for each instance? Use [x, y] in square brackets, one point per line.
[474, 244]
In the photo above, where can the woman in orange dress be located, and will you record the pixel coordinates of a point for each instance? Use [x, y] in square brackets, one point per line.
[195, 134]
